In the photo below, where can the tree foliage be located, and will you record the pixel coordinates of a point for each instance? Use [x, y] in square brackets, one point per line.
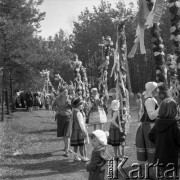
[19, 22]
[24, 54]
[90, 28]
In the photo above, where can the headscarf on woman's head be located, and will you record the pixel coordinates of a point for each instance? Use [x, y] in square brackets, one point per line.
[150, 87]
[94, 93]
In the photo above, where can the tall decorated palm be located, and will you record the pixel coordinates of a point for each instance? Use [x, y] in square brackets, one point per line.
[149, 15]
[119, 69]
[174, 59]
[152, 22]
[80, 77]
[106, 46]
[47, 87]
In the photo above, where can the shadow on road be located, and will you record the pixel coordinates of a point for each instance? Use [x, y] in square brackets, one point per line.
[31, 156]
[42, 131]
[56, 167]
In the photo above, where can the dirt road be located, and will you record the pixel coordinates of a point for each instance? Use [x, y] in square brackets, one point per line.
[30, 149]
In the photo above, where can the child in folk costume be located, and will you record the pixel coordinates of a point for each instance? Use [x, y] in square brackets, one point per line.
[165, 134]
[117, 134]
[79, 130]
[97, 165]
[97, 114]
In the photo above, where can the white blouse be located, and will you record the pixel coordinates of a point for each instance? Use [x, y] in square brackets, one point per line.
[150, 105]
[81, 121]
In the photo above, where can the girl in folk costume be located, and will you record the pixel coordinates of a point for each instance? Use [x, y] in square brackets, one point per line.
[79, 131]
[117, 134]
[97, 114]
[145, 148]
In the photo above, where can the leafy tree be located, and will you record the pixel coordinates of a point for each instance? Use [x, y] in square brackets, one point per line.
[88, 33]
[19, 23]
[90, 28]
[53, 54]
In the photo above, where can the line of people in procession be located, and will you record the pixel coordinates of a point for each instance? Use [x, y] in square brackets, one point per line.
[157, 137]
[73, 122]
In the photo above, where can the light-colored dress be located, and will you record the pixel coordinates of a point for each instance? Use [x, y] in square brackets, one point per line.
[97, 114]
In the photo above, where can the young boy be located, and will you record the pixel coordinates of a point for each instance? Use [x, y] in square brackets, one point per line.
[96, 166]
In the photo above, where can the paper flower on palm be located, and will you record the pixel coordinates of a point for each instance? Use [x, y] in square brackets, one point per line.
[108, 41]
[172, 37]
[177, 38]
[177, 4]
[45, 73]
[76, 65]
[161, 46]
[158, 53]
[172, 29]
[158, 71]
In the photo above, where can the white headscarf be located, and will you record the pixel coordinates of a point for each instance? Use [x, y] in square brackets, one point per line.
[150, 87]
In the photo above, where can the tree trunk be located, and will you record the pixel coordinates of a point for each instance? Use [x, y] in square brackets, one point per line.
[11, 89]
[2, 104]
[7, 101]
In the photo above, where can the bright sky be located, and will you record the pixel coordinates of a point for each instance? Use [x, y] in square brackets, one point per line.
[60, 14]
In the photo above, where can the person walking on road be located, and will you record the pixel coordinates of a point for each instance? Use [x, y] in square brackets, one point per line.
[63, 109]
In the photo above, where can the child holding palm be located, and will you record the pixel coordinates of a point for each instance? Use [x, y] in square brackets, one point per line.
[117, 130]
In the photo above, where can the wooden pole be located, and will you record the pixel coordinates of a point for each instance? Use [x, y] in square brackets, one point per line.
[2, 104]
[7, 101]
[11, 88]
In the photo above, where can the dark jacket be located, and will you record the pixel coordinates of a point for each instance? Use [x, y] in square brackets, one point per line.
[166, 136]
[97, 165]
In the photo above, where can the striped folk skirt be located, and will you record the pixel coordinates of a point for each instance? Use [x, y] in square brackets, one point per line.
[116, 137]
[144, 147]
[77, 138]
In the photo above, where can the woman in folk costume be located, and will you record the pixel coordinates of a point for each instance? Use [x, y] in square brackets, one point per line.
[97, 114]
[117, 134]
[145, 148]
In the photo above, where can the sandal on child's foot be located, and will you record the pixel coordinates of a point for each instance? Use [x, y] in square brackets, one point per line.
[77, 159]
[85, 159]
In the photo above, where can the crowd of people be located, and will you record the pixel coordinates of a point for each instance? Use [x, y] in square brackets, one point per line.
[73, 121]
[157, 137]
[32, 100]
